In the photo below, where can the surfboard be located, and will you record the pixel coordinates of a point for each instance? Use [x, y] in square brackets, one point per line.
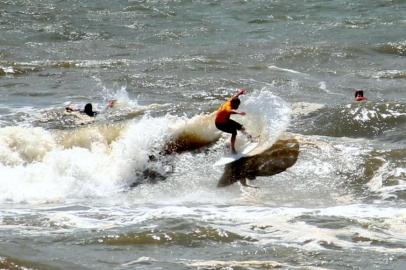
[244, 152]
[270, 160]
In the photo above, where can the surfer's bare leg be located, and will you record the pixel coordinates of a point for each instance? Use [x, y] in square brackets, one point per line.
[233, 137]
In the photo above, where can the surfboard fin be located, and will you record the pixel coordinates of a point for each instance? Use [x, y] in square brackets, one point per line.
[243, 182]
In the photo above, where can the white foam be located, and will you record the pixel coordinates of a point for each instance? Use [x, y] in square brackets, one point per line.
[7, 69]
[19, 145]
[248, 264]
[42, 170]
[140, 260]
[265, 224]
[305, 108]
[286, 70]
[376, 182]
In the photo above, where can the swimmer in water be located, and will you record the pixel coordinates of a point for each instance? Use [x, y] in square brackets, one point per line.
[359, 95]
[88, 110]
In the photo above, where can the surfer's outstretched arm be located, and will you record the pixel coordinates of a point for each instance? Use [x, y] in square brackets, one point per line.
[235, 102]
[237, 112]
[242, 91]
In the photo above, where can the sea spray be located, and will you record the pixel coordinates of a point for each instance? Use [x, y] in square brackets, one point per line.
[268, 116]
[94, 171]
[20, 145]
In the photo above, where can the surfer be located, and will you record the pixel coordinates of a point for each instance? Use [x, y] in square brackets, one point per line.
[88, 110]
[225, 124]
[359, 95]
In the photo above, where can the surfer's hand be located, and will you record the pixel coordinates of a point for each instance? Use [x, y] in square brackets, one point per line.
[242, 113]
[242, 91]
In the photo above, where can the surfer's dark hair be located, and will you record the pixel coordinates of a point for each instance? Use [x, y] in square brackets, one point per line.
[359, 93]
[235, 103]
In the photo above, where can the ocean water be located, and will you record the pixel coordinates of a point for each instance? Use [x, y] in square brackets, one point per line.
[135, 187]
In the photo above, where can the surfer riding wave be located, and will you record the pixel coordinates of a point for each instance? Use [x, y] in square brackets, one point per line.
[225, 124]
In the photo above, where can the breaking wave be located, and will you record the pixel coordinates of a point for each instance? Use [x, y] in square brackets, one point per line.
[105, 158]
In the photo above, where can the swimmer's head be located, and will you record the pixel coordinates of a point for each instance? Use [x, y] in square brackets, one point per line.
[88, 109]
[359, 93]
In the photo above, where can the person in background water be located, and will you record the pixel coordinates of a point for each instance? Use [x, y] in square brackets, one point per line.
[225, 124]
[359, 95]
[88, 110]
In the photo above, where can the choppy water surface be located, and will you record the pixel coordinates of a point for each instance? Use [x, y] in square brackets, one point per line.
[135, 187]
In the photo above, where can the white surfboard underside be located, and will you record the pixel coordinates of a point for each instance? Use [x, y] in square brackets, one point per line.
[244, 152]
